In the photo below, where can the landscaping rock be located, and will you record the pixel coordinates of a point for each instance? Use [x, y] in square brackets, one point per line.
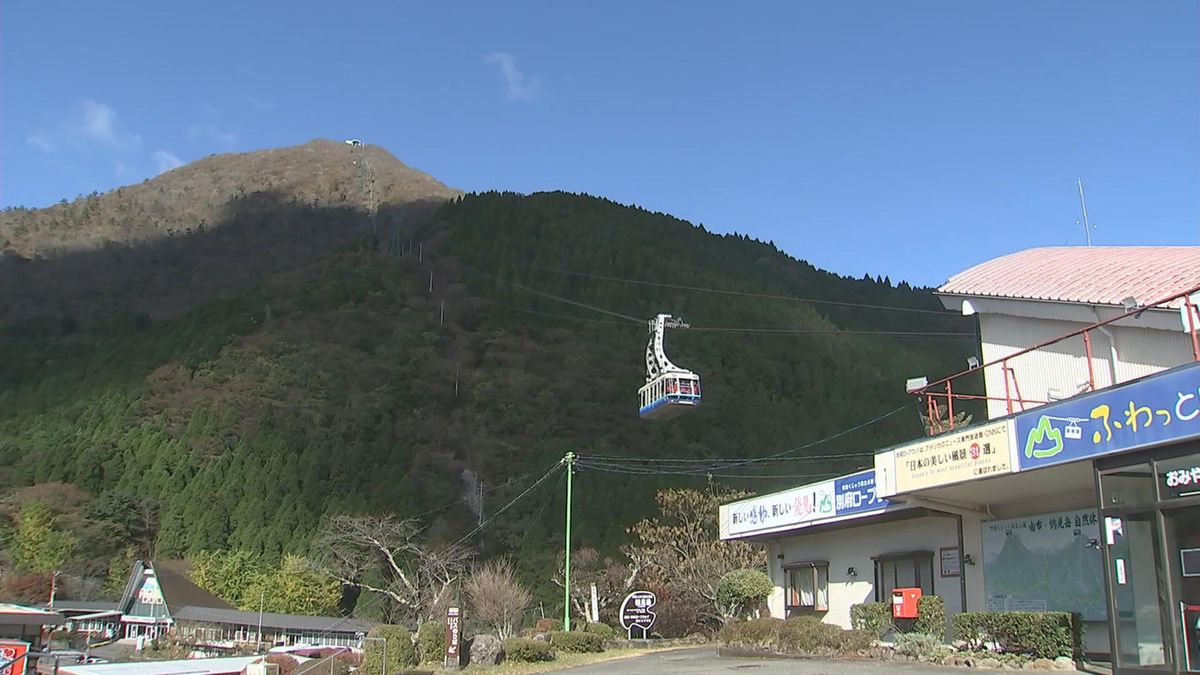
[988, 663]
[542, 637]
[1044, 664]
[486, 650]
[1064, 663]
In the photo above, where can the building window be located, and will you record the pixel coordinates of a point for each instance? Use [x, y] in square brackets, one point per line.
[807, 586]
[913, 569]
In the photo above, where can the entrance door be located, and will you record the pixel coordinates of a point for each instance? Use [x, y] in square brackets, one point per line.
[1183, 559]
[1139, 594]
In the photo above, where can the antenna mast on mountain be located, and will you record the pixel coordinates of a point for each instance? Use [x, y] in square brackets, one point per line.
[364, 178]
[1087, 227]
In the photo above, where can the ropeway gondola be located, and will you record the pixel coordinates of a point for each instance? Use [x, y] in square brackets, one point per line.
[669, 389]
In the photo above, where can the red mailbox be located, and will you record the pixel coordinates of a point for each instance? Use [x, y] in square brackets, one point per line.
[904, 603]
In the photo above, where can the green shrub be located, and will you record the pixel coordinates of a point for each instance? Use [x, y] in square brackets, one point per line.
[431, 641]
[763, 632]
[605, 631]
[524, 650]
[807, 635]
[1040, 634]
[547, 625]
[740, 591]
[872, 617]
[931, 617]
[576, 641]
[401, 652]
[921, 646]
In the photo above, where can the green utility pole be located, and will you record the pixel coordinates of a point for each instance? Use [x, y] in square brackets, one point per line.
[569, 461]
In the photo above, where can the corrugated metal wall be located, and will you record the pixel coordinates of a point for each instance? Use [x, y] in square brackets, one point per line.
[1061, 371]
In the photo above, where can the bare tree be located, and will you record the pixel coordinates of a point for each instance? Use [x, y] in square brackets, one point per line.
[496, 596]
[682, 550]
[384, 555]
[612, 579]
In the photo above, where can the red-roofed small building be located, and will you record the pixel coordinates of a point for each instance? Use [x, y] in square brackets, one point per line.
[1036, 295]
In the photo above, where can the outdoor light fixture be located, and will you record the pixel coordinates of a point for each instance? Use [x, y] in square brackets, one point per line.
[968, 559]
[1130, 303]
[780, 556]
[850, 572]
[1094, 543]
[916, 384]
[972, 362]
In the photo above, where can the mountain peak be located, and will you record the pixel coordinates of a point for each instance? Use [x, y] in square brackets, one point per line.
[321, 172]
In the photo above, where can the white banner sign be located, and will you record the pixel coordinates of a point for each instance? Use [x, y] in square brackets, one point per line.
[791, 507]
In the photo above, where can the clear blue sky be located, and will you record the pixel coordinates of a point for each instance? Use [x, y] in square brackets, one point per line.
[911, 139]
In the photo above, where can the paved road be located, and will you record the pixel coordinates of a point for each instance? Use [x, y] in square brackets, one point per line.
[704, 661]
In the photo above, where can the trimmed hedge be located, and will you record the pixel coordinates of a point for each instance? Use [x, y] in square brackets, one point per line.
[872, 617]
[1040, 634]
[931, 617]
[605, 631]
[798, 635]
[401, 652]
[525, 650]
[576, 641]
[431, 641]
[921, 646]
[763, 632]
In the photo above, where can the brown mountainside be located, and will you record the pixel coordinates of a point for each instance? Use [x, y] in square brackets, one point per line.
[203, 229]
[194, 197]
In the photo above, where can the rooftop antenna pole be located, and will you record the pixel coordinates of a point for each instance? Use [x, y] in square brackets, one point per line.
[1087, 227]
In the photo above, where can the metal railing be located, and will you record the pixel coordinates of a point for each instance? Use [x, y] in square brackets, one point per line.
[944, 389]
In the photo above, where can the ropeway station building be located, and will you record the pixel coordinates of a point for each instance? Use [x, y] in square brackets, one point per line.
[1080, 492]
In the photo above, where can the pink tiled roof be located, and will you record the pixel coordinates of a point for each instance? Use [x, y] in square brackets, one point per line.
[1102, 275]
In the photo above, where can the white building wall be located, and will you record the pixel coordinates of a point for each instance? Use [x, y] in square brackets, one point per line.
[854, 546]
[1061, 370]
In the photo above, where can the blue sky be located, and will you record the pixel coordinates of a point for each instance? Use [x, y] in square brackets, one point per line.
[909, 139]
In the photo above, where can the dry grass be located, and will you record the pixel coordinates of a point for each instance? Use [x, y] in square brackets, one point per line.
[565, 661]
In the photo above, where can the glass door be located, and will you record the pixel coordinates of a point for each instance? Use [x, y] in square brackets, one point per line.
[1138, 593]
[1183, 559]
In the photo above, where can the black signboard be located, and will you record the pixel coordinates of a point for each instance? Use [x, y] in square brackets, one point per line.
[636, 614]
[1189, 562]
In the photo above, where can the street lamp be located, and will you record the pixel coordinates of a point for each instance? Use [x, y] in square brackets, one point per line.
[384, 641]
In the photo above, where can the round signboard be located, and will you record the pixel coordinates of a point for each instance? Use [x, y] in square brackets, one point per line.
[636, 617]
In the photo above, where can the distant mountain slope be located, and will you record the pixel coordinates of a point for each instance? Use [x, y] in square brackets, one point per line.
[235, 383]
[210, 227]
[196, 196]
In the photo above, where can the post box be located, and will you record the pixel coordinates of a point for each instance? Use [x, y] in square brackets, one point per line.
[904, 603]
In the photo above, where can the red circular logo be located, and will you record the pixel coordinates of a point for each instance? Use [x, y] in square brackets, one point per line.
[974, 451]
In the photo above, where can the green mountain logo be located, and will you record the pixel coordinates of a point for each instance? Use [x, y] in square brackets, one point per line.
[1038, 435]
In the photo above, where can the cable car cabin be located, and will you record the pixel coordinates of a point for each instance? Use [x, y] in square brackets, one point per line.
[669, 395]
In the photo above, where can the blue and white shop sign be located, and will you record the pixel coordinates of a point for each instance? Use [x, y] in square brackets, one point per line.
[1156, 409]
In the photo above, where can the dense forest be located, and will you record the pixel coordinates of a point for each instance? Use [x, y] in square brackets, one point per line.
[434, 366]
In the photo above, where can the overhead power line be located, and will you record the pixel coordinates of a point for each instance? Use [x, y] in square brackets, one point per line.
[722, 329]
[487, 521]
[725, 291]
[730, 464]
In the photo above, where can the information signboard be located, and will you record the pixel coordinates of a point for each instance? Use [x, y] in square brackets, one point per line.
[636, 614]
[975, 452]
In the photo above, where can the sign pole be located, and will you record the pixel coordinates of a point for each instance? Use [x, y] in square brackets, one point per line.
[568, 460]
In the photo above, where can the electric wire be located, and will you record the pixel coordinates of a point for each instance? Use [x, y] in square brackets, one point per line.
[460, 500]
[784, 453]
[487, 521]
[721, 329]
[723, 291]
[538, 516]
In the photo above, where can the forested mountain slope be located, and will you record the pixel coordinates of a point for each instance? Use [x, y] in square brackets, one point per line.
[344, 384]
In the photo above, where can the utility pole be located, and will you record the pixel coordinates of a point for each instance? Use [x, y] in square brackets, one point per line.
[569, 460]
[1087, 227]
[262, 596]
